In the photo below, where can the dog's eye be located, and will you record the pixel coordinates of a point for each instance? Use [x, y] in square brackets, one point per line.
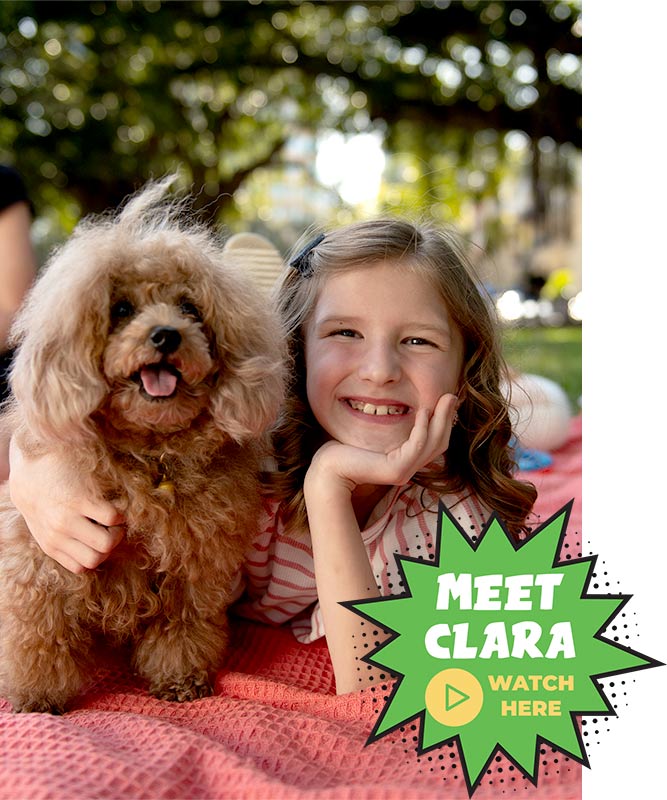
[190, 310]
[122, 309]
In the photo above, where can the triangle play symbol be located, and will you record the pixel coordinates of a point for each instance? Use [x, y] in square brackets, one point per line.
[454, 697]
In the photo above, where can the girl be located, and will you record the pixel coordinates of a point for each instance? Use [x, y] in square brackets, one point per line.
[394, 405]
[395, 361]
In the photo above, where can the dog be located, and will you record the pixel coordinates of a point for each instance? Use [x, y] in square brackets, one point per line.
[156, 368]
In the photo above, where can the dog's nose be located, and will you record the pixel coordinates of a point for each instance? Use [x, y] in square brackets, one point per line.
[165, 339]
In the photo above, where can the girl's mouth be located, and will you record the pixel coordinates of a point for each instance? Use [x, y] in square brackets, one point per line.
[379, 410]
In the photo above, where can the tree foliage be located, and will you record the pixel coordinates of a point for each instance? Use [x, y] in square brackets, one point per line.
[96, 97]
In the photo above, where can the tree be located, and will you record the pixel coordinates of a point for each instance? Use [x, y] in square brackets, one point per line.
[96, 97]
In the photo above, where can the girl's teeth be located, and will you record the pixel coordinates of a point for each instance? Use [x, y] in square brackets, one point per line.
[369, 408]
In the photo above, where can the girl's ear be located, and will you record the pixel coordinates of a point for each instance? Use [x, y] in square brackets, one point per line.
[461, 393]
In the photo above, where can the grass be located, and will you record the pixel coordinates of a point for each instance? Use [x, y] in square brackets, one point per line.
[552, 352]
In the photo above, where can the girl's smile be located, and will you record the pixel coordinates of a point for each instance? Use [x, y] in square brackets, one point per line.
[377, 408]
[379, 346]
[379, 411]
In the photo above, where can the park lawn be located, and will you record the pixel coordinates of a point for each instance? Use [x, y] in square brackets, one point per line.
[552, 352]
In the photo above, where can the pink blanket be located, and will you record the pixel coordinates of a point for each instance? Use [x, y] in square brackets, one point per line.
[273, 729]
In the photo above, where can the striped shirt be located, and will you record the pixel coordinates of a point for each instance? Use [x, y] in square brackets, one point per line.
[279, 571]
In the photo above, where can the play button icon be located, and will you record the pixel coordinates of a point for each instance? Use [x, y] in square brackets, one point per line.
[454, 697]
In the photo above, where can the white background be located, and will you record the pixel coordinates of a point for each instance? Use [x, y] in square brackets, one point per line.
[625, 364]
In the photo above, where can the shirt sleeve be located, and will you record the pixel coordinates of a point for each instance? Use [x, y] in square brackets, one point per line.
[279, 573]
[407, 527]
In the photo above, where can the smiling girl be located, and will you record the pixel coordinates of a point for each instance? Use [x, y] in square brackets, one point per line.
[395, 405]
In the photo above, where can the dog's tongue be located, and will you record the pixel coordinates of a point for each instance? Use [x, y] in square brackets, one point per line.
[158, 382]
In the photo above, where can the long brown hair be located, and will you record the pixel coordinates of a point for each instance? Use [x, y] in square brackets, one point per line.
[479, 458]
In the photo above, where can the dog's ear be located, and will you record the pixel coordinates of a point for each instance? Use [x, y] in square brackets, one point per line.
[60, 333]
[251, 354]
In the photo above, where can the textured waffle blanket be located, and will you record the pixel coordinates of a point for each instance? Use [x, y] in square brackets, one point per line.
[274, 728]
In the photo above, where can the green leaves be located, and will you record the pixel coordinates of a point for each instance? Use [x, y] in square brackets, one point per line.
[97, 97]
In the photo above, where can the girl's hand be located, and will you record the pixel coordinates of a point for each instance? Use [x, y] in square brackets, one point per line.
[342, 569]
[352, 466]
[75, 531]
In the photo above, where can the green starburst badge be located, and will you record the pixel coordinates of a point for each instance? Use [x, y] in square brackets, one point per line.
[497, 645]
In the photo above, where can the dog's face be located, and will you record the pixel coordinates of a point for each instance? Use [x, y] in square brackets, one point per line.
[159, 356]
[145, 325]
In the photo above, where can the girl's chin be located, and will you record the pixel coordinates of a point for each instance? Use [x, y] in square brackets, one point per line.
[378, 438]
[376, 444]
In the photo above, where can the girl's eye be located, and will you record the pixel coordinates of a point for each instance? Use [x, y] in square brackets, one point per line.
[346, 332]
[190, 310]
[417, 340]
[122, 309]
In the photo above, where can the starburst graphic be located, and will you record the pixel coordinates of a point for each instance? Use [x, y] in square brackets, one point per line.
[498, 645]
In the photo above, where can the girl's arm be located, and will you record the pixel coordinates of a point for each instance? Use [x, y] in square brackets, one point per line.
[342, 572]
[77, 532]
[342, 568]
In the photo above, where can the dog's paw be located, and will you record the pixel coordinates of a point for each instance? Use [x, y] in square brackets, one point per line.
[42, 705]
[191, 688]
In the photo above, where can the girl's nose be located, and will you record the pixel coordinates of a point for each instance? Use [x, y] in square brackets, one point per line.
[380, 364]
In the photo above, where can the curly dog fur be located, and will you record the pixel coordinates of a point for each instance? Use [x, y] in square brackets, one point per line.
[155, 368]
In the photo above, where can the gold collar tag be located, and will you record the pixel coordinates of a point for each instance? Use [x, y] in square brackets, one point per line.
[166, 484]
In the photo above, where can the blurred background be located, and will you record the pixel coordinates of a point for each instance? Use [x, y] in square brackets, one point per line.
[285, 115]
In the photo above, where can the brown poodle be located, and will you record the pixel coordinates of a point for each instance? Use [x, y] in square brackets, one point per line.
[156, 368]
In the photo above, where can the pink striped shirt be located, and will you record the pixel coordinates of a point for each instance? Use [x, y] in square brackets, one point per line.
[280, 575]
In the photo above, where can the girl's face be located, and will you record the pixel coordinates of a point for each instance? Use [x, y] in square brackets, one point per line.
[379, 345]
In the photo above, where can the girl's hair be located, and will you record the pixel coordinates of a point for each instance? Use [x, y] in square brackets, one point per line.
[479, 457]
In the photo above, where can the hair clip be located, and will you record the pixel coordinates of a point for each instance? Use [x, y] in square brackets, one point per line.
[301, 262]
